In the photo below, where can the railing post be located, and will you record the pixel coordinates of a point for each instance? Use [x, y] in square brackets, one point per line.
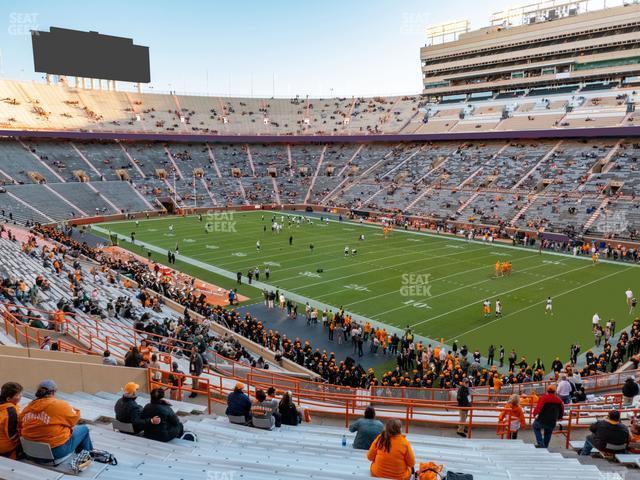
[568, 441]
[346, 414]
[469, 422]
[406, 420]
[209, 396]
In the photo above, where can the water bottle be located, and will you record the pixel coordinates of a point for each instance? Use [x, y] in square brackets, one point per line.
[344, 440]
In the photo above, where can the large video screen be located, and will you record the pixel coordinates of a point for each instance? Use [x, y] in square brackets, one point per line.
[61, 51]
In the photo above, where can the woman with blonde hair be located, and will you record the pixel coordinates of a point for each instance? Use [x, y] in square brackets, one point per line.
[390, 454]
[514, 414]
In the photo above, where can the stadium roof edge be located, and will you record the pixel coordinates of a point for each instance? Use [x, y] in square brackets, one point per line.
[601, 132]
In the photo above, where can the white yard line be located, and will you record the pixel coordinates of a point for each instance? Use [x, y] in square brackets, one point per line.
[258, 285]
[539, 303]
[373, 270]
[463, 287]
[478, 302]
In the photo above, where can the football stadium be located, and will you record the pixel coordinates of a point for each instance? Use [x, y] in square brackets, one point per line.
[440, 284]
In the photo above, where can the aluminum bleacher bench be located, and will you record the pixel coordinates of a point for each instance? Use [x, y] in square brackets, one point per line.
[15, 470]
[576, 444]
[41, 453]
[237, 419]
[122, 427]
[628, 458]
[610, 450]
[266, 422]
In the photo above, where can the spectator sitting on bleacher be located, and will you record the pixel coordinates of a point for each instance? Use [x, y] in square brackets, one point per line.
[368, 429]
[169, 427]
[127, 410]
[606, 432]
[107, 359]
[629, 390]
[49, 420]
[10, 396]
[238, 403]
[133, 358]
[390, 454]
[267, 408]
[548, 411]
[288, 410]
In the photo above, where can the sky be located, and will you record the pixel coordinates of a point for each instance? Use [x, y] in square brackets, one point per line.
[252, 47]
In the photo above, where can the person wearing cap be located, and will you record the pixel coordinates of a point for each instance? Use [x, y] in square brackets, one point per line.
[606, 432]
[238, 403]
[129, 411]
[548, 411]
[53, 421]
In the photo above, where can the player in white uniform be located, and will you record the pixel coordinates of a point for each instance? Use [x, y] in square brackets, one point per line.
[346, 251]
[498, 308]
[258, 245]
[595, 320]
[549, 307]
[629, 295]
[171, 228]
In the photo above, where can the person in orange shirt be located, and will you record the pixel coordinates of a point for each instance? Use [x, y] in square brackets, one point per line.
[530, 400]
[145, 350]
[514, 414]
[49, 420]
[497, 385]
[10, 396]
[390, 454]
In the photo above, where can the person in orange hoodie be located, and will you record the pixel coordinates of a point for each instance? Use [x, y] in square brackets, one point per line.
[10, 396]
[49, 420]
[514, 414]
[390, 454]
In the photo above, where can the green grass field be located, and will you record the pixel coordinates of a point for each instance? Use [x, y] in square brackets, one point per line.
[436, 284]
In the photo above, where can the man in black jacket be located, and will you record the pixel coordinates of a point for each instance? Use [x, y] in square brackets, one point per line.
[195, 368]
[129, 411]
[463, 397]
[169, 427]
[629, 390]
[606, 432]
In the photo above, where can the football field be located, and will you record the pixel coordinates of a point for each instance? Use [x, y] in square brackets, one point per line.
[434, 283]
